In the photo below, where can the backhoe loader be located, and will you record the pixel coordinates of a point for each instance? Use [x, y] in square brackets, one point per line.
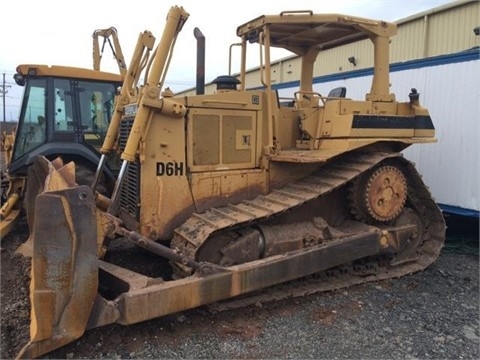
[236, 191]
[64, 114]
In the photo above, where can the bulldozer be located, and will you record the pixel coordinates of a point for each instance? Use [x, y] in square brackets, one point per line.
[64, 115]
[236, 191]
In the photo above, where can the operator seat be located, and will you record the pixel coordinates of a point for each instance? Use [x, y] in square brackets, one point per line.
[338, 92]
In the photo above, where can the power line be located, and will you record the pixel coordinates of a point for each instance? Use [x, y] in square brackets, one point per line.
[3, 92]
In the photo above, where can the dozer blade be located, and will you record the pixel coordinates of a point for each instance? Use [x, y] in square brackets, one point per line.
[64, 269]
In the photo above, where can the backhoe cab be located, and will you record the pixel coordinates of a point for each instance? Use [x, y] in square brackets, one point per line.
[235, 191]
[65, 113]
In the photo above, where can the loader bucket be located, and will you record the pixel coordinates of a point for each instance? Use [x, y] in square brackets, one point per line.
[64, 274]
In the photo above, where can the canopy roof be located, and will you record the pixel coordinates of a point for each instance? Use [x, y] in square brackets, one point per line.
[299, 31]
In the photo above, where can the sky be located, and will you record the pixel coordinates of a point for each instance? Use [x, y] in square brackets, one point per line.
[58, 32]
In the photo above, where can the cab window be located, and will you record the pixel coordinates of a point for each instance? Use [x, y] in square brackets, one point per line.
[32, 130]
[63, 106]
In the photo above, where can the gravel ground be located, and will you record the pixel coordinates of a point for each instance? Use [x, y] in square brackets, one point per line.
[432, 314]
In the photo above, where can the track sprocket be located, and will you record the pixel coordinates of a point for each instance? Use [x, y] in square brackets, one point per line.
[379, 195]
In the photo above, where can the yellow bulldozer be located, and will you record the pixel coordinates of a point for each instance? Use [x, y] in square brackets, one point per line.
[235, 191]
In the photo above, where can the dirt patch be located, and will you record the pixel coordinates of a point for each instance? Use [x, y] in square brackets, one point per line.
[324, 317]
[15, 305]
[243, 328]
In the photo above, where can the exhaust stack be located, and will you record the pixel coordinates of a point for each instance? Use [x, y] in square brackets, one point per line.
[200, 87]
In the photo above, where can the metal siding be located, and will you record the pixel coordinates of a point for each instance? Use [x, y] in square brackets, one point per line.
[335, 60]
[409, 43]
[438, 33]
[452, 31]
[451, 167]
[284, 71]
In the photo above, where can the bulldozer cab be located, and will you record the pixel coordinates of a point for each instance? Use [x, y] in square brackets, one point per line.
[64, 111]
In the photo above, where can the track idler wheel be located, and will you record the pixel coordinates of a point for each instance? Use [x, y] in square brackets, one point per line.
[379, 195]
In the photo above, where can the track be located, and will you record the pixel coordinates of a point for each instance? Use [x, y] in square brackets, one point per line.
[191, 235]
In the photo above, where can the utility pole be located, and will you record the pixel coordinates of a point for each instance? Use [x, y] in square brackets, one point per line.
[3, 91]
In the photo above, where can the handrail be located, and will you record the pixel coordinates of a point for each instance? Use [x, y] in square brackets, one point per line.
[310, 12]
[230, 57]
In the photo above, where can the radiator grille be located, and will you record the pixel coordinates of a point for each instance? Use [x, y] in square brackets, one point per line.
[130, 192]
[125, 127]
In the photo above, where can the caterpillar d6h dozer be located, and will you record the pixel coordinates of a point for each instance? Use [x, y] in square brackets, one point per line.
[235, 191]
